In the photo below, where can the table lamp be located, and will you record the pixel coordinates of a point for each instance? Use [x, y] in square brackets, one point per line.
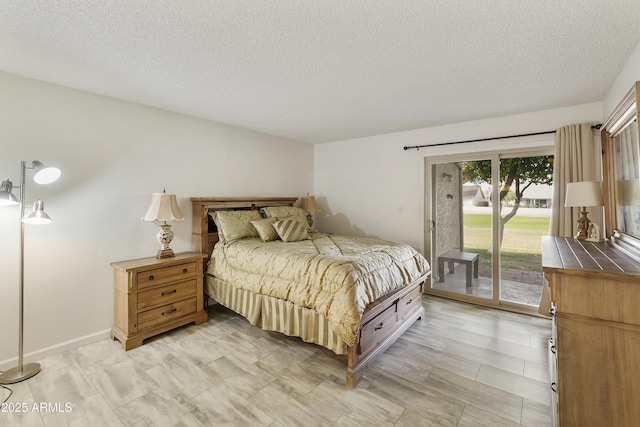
[309, 204]
[583, 194]
[164, 208]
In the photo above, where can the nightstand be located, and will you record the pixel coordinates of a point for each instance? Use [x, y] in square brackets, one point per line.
[153, 295]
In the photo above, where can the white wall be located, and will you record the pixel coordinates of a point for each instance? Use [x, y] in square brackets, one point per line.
[371, 186]
[623, 83]
[113, 155]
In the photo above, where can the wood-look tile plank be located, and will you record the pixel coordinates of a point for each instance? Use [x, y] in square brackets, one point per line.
[535, 414]
[61, 386]
[122, 383]
[498, 402]
[486, 357]
[428, 402]
[514, 384]
[222, 406]
[93, 411]
[476, 417]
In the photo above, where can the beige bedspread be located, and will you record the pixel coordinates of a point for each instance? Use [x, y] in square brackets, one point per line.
[335, 275]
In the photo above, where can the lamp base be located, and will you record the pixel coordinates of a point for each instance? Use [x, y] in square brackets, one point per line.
[165, 236]
[583, 226]
[165, 253]
[15, 375]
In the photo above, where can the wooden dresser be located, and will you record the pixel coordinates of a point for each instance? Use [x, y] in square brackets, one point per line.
[595, 292]
[153, 295]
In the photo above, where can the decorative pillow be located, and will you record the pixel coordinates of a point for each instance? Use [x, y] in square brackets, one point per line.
[265, 229]
[291, 230]
[285, 212]
[235, 225]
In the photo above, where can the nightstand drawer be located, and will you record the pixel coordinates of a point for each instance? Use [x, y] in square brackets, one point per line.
[160, 315]
[167, 294]
[160, 275]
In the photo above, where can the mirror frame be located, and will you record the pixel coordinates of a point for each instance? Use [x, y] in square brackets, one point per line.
[624, 114]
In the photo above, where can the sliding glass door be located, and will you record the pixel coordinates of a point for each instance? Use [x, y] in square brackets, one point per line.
[484, 240]
[461, 231]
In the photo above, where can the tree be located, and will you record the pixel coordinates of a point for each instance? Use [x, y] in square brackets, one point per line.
[516, 175]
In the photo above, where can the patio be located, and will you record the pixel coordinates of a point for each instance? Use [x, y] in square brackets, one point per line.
[524, 287]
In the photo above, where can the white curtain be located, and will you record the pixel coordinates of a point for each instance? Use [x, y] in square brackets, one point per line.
[627, 165]
[574, 160]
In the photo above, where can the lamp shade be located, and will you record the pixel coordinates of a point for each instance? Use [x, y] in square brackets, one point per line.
[37, 215]
[584, 193]
[44, 174]
[6, 196]
[309, 204]
[164, 207]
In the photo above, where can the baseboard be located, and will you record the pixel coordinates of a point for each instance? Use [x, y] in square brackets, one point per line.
[38, 355]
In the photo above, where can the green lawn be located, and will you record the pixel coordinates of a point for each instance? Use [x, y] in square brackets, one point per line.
[521, 247]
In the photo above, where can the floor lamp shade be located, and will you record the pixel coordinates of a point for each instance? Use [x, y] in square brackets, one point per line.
[164, 207]
[6, 196]
[45, 175]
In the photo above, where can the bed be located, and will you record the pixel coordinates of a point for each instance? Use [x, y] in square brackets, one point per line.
[352, 295]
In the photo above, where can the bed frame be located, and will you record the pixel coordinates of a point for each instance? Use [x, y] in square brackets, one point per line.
[383, 321]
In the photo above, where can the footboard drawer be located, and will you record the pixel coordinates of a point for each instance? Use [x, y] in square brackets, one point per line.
[377, 329]
[409, 304]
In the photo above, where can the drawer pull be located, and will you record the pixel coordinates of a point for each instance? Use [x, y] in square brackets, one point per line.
[554, 387]
[409, 302]
[377, 328]
[151, 277]
[170, 292]
[185, 270]
[170, 311]
[553, 349]
[552, 311]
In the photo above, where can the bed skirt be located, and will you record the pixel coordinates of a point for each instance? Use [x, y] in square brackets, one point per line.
[274, 314]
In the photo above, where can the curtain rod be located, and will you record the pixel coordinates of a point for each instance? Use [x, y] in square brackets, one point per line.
[417, 147]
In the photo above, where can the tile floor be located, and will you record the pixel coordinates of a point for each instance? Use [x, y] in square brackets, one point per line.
[461, 365]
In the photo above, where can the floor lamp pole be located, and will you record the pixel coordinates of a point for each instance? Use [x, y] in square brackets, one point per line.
[21, 372]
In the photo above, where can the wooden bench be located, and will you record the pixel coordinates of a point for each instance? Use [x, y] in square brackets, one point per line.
[451, 257]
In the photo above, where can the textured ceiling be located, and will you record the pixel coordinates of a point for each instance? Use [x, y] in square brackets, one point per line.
[318, 71]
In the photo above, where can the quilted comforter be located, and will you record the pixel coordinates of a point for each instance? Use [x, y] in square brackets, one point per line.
[337, 276]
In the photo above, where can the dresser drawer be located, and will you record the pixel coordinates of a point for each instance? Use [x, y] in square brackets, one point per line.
[409, 303]
[167, 294]
[377, 330]
[166, 313]
[164, 274]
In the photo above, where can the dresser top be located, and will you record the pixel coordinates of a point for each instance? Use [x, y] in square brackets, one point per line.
[567, 253]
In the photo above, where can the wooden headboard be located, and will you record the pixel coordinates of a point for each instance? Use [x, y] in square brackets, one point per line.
[205, 234]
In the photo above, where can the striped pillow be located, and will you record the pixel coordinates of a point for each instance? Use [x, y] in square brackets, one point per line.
[290, 230]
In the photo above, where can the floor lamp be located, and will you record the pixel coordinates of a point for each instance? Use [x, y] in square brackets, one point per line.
[42, 175]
